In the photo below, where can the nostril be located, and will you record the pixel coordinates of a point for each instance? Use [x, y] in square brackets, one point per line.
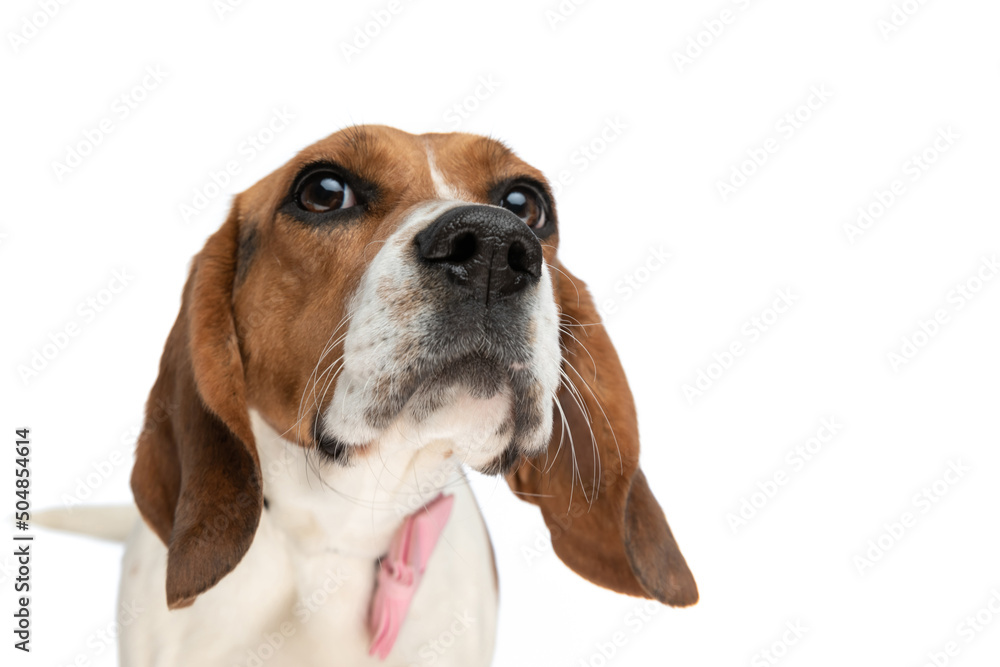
[483, 251]
[523, 258]
[463, 248]
[517, 257]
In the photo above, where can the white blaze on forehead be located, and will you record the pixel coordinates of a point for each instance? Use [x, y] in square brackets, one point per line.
[444, 189]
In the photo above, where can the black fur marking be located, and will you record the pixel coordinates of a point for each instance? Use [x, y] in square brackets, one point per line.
[505, 428]
[504, 463]
[245, 253]
[332, 448]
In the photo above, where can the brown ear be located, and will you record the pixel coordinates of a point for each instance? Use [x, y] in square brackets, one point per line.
[197, 478]
[604, 521]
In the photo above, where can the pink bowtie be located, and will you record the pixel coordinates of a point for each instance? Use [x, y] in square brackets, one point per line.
[401, 571]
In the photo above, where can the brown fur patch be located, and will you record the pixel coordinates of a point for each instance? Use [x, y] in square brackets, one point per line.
[604, 521]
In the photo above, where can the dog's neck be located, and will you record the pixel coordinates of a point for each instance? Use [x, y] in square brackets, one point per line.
[353, 510]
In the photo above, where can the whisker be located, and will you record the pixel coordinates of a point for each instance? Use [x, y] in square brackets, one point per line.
[600, 406]
[581, 404]
[370, 243]
[562, 437]
[327, 348]
[571, 281]
[580, 343]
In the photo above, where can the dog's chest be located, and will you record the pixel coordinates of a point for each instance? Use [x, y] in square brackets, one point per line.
[302, 593]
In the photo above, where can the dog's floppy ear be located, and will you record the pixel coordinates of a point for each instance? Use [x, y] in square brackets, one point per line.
[197, 478]
[604, 522]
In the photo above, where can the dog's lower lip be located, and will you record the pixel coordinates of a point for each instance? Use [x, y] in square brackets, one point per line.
[421, 391]
[331, 447]
[504, 463]
[461, 368]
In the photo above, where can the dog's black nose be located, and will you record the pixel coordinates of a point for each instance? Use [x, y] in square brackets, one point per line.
[486, 250]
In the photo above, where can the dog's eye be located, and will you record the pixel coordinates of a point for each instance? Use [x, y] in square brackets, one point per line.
[325, 191]
[525, 204]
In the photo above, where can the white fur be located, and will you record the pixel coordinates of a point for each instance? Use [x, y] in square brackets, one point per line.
[301, 594]
[306, 582]
[444, 189]
[106, 522]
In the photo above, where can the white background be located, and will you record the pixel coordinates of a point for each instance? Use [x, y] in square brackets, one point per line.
[686, 127]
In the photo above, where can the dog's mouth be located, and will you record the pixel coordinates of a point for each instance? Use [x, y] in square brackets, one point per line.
[456, 371]
[480, 376]
[432, 383]
[437, 388]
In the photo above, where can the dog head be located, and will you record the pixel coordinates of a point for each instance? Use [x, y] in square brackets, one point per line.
[379, 283]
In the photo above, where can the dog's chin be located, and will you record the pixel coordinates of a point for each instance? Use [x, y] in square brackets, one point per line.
[471, 401]
[504, 463]
[442, 381]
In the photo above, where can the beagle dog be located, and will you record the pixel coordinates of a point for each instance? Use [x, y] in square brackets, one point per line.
[377, 316]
